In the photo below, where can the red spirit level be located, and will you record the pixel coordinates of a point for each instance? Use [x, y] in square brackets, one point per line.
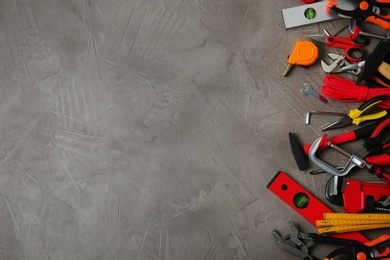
[304, 203]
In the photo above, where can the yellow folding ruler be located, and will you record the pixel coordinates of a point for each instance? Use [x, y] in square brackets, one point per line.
[347, 222]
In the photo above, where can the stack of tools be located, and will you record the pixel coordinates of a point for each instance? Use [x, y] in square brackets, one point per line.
[347, 222]
[368, 82]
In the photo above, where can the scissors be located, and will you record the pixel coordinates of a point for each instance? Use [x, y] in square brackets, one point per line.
[357, 116]
[353, 47]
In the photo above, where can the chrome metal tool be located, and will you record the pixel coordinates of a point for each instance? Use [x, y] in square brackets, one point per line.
[339, 64]
[337, 171]
[382, 174]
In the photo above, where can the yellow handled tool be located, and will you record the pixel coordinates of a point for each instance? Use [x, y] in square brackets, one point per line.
[356, 116]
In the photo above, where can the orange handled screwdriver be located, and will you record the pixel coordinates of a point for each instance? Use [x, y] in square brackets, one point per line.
[304, 53]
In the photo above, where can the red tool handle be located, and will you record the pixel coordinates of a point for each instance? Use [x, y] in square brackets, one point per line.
[347, 137]
[383, 159]
[379, 160]
[308, 1]
[382, 174]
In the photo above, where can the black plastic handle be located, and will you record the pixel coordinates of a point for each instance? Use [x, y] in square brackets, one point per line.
[374, 60]
[372, 101]
[332, 240]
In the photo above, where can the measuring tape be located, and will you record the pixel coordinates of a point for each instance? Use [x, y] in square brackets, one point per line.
[347, 222]
[305, 203]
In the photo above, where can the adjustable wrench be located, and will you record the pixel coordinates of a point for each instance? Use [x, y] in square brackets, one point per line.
[357, 196]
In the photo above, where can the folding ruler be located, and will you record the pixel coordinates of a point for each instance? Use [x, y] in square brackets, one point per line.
[346, 222]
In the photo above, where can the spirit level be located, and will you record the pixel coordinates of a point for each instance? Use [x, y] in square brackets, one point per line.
[304, 203]
[312, 13]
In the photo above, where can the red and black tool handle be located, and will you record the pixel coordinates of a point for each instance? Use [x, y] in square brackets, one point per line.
[379, 160]
[381, 173]
[300, 152]
[382, 159]
[365, 250]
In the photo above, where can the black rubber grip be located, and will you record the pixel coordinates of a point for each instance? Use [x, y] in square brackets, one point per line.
[374, 60]
[332, 240]
[372, 101]
[298, 152]
[365, 131]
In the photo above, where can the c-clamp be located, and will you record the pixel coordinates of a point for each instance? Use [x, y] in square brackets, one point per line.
[352, 162]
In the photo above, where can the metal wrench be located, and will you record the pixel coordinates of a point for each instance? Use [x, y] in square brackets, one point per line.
[311, 92]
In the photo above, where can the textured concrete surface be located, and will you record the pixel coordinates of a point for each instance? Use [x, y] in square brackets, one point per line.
[135, 129]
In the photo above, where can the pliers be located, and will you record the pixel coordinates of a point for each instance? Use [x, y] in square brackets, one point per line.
[356, 116]
[367, 251]
[367, 10]
[298, 243]
[374, 146]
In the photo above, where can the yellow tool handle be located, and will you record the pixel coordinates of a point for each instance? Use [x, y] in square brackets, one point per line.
[357, 216]
[337, 222]
[350, 228]
[361, 119]
[355, 113]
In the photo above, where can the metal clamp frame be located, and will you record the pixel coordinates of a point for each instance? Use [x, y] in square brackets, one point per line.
[338, 171]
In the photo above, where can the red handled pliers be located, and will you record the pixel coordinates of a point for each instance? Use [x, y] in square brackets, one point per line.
[374, 146]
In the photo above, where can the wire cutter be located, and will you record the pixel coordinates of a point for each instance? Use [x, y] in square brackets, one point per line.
[353, 47]
[367, 251]
[367, 10]
[375, 144]
[356, 116]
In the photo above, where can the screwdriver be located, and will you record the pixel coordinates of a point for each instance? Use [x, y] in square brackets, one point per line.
[304, 53]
